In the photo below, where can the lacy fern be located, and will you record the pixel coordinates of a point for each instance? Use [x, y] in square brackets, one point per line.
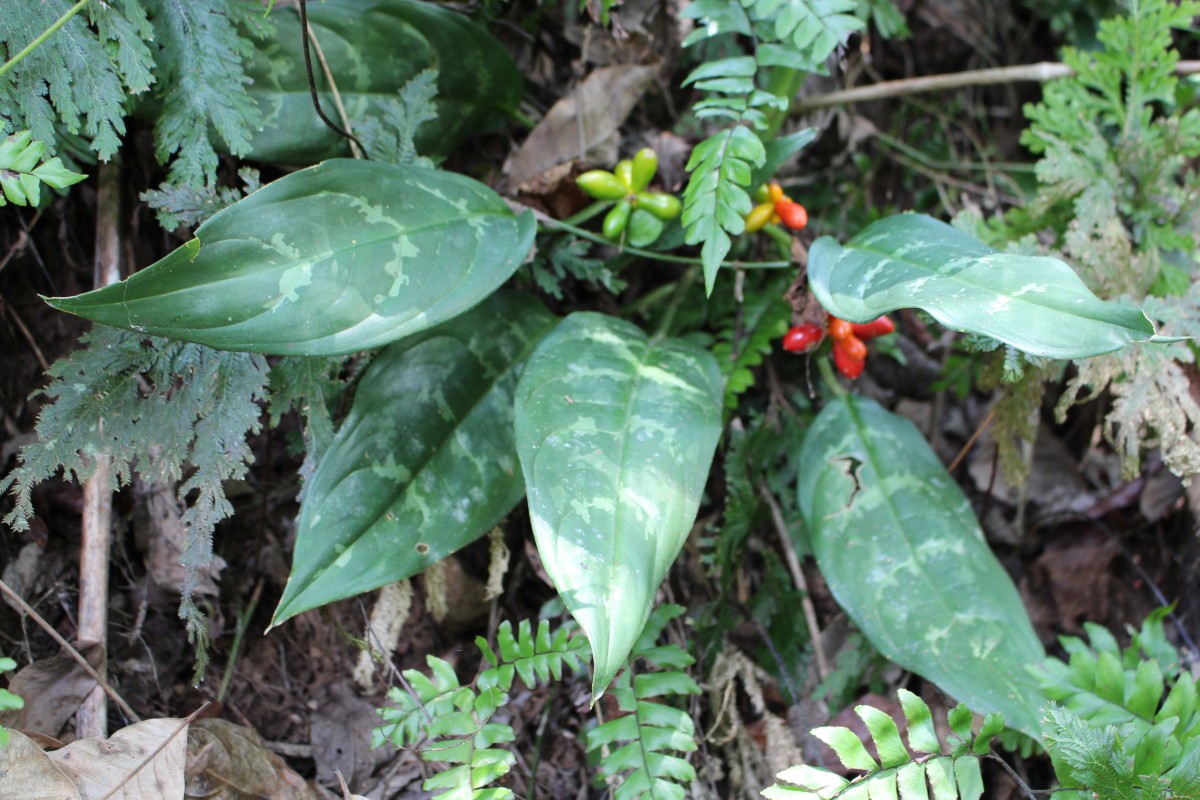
[71, 78]
[635, 748]
[200, 67]
[453, 724]
[391, 135]
[949, 773]
[82, 75]
[1117, 198]
[171, 412]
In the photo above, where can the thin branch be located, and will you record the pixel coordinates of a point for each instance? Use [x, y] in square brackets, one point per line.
[63, 643]
[966, 448]
[355, 150]
[1040, 72]
[312, 82]
[46, 34]
[789, 554]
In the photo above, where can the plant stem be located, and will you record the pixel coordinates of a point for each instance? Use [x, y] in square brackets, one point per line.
[552, 224]
[1041, 72]
[825, 366]
[784, 82]
[582, 216]
[46, 34]
[239, 634]
[681, 287]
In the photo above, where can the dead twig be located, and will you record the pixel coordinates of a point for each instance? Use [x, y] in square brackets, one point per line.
[789, 554]
[63, 643]
[1041, 72]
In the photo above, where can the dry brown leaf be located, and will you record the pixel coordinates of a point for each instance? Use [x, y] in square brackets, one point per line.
[582, 122]
[28, 773]
[229, 762]
[142, 762]
[341, 736]
[53, 690]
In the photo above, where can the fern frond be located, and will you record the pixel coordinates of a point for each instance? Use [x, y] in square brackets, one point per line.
[764, 322]
[715, 201]
[567, 256]
[71, 78]
[790, 34]
[198, 408]
[452, 723]
[950, 773]
[200, 67]
[635, 748]
[389, 134]
[189, 204]
[1104, 686]
[812, 28]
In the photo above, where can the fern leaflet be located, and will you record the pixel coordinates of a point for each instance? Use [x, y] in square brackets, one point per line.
[23, 170]
[790, 34]
[453, 723]
[636, 745]
[949, 774]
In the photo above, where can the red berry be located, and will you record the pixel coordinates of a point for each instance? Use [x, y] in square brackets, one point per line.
[839, 329]
[854, 347]
[791, 214]
[869, 330]
[850, 367]
[803, 338]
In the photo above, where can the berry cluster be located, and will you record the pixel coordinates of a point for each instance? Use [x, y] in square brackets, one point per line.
[774, 207]
[849, 341]
[638, 214]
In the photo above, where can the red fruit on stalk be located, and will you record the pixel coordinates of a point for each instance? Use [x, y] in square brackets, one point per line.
[879, 327]
[839, 329]
[791, 214]
[850, 367]
[803, 338]
[854, 347]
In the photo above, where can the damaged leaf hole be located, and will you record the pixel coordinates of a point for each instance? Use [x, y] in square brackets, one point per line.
[851, 467]
[422, 548]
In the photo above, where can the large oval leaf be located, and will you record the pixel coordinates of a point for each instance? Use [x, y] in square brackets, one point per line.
[615, 435]
[1034, 303]
[340, 257]
[424, 464]
[902, 552]
[373, 49]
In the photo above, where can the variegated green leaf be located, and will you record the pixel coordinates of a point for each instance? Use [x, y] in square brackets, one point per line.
[1034, 303]
[902, 552]
[425, 463]
[340, 257]
[615, 435]
[373, 48]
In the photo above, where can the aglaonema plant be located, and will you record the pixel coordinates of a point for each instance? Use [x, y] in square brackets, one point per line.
[480, 395]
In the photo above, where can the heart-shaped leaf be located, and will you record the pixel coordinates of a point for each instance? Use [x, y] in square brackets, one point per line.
[1034, 303]
[372, 49]
[902, 552]
[615, 435]
[340, 257]
[425, 463]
